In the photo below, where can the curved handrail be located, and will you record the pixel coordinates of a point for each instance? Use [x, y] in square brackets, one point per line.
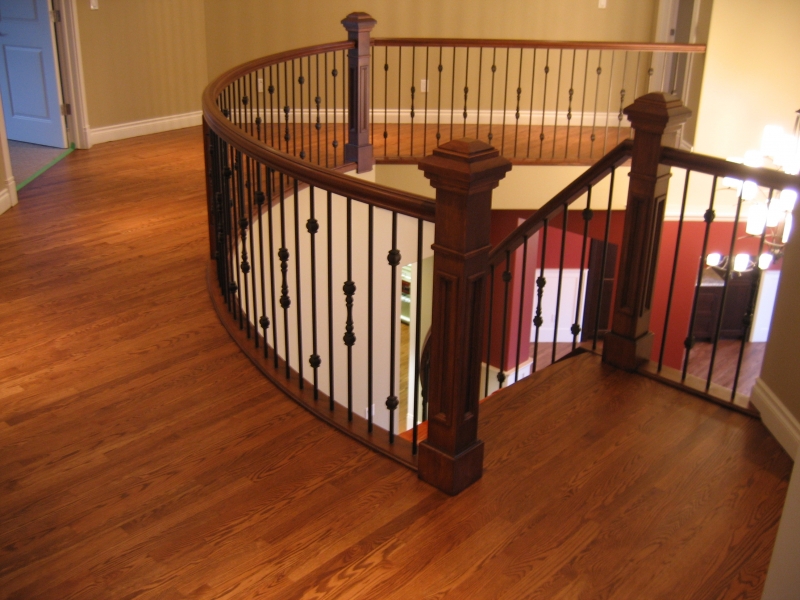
[406, 203]
[500, 43]
[619, 155]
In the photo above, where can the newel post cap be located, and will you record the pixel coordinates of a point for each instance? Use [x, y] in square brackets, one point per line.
[357, 22]
[466, 166]
[656, 112]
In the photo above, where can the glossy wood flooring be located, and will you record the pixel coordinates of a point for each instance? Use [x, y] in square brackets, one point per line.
[142, 456]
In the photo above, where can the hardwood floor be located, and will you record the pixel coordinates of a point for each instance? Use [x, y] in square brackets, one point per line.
[143, 456]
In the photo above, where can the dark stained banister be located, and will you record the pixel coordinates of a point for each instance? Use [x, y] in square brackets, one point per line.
[244, 170]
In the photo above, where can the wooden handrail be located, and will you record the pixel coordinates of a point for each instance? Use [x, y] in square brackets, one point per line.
[619, 155]
[566, 45]
[711, 165]
[405, 203]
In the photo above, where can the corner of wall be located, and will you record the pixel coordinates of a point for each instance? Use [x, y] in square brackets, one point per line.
[780, 422]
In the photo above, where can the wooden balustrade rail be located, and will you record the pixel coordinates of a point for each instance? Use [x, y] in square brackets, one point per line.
[563, 45]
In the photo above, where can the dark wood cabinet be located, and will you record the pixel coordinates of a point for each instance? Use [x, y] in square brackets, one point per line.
[709, 302]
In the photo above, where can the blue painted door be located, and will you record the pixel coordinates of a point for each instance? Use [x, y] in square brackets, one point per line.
[29, 81]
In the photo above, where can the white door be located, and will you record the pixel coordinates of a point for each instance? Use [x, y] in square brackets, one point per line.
[29, 81]
[570, 282]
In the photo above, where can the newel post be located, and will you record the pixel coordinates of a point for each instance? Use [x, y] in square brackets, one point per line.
[656, 119]
[464, 173]
[358, 149]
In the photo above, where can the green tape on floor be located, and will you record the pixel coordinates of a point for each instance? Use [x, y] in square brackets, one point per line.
[47, 166]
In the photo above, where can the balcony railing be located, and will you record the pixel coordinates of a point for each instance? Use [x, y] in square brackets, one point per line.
[307, 255]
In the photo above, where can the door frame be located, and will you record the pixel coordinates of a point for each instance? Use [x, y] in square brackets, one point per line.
[71, 67]
[73, 93]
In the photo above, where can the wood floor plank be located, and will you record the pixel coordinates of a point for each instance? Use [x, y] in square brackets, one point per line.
[142, 455]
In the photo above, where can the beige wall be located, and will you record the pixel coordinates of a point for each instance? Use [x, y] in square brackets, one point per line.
[142, 59]
[246, 29]
[752, 75]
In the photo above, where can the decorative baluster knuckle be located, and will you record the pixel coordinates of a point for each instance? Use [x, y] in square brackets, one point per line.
[315, 361]
[394, 257]
[264, 322]
[349, 289]
[312, 226]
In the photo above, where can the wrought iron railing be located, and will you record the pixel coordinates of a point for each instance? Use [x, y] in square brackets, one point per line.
[308, 257]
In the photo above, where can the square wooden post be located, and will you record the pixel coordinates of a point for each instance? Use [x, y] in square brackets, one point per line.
[358, 149]
[464, 173]
[656, 119]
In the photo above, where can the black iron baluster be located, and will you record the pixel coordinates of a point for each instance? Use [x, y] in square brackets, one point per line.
[558, 287]
[587, 215]
[530, 108]
[501, 376]
[596, 98]
[393, 258]
[569, 108]
[604, 257]
[271, 91]
[372, 112]
[583, 101]
[708, 217]
[491, 94]
[413, 91]
[480, 81]
[544, 100]
[399, 92]
[312, 226]
[521, 304]
[273, 304]
[505, 105]
[674, 272]
[370, 327]
[232, 225]
[286, 135]
[335, 143]
[519, 96]
[302, 81]
[439, 101]
[636, 79]
[298, 291]
[253, 286]
[489, 331]
[247, 103]
[622, 96]
[244, 265]
[294, 105]
[425, 117]
[540, 283]
[751, 304]
[418, 341]
[452, 92]
[264, 320]
[385, 99]
[327, 118]
[466, 91]
[558, 94]
[310, 133]
[349, 289]
[608, 104]
[330, 300]
[344, 99]
[318, 124]
[283, 256]
[725, 286]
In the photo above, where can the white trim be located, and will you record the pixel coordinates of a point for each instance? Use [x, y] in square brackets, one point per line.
[10, 189]
[776, 417]
[524, 371]
[72, 83]
[145, 127]
[5, 201]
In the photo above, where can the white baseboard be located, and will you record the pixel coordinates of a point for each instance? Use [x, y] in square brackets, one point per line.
[510, 376]
[146, 127]
[5, 201]
[776, 417]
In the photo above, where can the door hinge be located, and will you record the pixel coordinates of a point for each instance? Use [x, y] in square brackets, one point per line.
[66, 109]
[55, 16]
